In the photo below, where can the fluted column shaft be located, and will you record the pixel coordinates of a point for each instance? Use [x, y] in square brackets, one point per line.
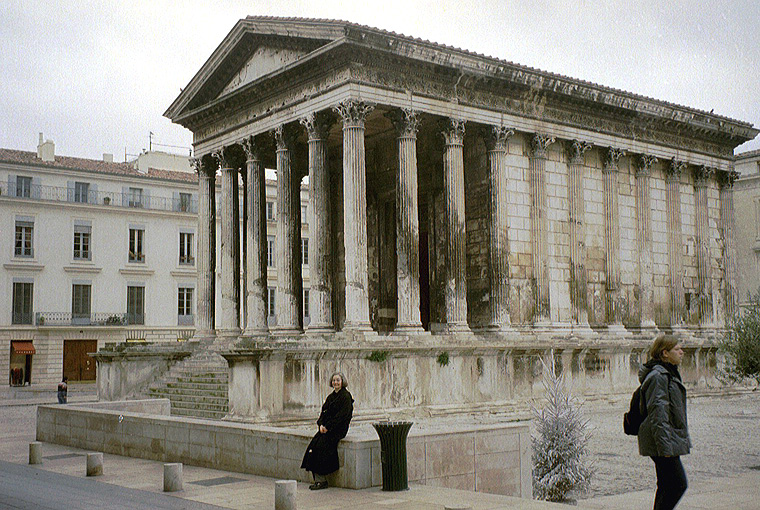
[578, 278]
[206, 248]
[229, 323]
[407, 225]
[496, 142]
[289, 298]
[727, 227]
[353, 114]
[704, 265]
[612, 237]
[675, 241]
[320, 225]
[644, 241]
[539, 229]
[455, 293]
[256, 241]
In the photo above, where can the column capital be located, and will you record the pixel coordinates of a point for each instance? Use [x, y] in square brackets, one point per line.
[575, 150]
[453, 131]
[675, 169]
[318, 124]
[284, 136]
[726, 179]
[611, 159]
[702, 175]
[496, 137]
[540, 145]
[405, 120]
[644, 164]
[222, 157]
[251, 148]
[353, 112]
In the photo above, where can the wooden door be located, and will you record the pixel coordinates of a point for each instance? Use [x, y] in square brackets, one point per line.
[77, 365]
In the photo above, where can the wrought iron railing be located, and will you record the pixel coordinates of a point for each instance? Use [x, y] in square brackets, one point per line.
[116, 199]
[68, 319]
[22, 318]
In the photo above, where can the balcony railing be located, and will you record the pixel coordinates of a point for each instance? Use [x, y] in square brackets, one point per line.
[68, 319]
[115, 199]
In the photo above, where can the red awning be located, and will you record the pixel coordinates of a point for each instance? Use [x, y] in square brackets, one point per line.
[23, 348]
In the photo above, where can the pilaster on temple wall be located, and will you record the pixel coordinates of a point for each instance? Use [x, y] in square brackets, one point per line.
[675, 241]
[644, 231]
[612, 238]
[578, 277]
[256, 241]
[539, 229]
[702, 177]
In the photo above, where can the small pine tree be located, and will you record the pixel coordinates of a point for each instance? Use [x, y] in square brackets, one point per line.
[741, 345]
[560, 446]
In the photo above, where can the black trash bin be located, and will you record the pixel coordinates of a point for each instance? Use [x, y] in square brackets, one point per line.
[393, 453]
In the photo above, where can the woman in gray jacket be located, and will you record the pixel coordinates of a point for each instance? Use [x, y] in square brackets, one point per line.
[664, 433]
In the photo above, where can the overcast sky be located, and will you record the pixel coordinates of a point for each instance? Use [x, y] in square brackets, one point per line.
[97, 76]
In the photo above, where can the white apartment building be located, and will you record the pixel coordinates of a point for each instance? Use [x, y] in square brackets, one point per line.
[95, 251]
[747, 207]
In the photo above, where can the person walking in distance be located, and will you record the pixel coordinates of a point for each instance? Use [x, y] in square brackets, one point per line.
[63, 390]
[321, 457]
[664, 433]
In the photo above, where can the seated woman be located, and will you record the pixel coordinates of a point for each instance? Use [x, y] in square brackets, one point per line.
[321, 457]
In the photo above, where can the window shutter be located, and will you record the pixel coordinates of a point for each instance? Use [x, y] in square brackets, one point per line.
[175, 201]
[70, 191]
[11, 185]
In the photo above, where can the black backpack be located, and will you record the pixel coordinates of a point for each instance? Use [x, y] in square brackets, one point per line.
[635, 415]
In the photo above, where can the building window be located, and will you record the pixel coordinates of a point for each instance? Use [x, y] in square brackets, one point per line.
[185, 200]
[82, 236]
[23, 186]
[305, 251]
[135, 197]
[136, 305]
[270, 211]
[304, 217]
[186, 249]
[24, 238]
[306, 303]
[270, 252]
[270, 301]
[136, 253]
[81, 192]
[80, 303]
[185, 306]
[22, 303]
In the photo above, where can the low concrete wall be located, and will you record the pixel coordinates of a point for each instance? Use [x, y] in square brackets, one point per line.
[125, 370]
[491, 457]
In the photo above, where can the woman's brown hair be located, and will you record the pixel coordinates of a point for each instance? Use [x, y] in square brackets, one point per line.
[662, 343]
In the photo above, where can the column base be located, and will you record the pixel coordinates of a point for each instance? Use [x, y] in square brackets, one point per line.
[204, 335]
[450, 328]
[256, 332]
[617, 329]
[357, 327]
[583, 330]
[498, 328]
[320, 329]
[286, 331]
[408, 329]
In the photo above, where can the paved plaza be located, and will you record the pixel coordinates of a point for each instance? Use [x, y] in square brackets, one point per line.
[723, 470]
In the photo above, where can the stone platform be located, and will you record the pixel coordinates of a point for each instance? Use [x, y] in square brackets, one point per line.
[480, 454]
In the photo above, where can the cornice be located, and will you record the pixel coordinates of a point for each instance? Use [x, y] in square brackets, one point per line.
[23, 266]
[82, 269]
[136, 271]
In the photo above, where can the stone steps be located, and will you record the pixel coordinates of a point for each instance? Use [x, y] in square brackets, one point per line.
[196, 386]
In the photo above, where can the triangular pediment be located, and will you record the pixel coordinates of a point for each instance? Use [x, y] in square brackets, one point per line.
[265, 60]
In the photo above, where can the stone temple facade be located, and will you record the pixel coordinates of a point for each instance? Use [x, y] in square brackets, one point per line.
[461, 205]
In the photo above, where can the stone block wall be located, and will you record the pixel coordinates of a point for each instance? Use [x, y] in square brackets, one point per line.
[477, 222]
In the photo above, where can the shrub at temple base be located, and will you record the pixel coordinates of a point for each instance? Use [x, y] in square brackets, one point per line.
[741, 345]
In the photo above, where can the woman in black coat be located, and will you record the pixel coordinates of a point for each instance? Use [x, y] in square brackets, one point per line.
[664, 433]
[321, 457]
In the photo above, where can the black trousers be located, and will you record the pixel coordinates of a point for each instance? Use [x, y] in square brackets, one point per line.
[671, 482]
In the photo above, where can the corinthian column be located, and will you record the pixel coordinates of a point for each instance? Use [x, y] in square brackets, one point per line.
[353, 114]
[538, 227]
[675, 242]
[730, 295]
[407, 224]
[288, 305]
[229, 324]
[578, 279]
[644, 241]
[256, 241]
[702, 176]
[496, 142]
[204, 321]
[612, 239]
[455, 285]
[320, 225]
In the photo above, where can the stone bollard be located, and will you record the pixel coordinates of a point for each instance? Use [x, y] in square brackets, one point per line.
[173, 477]
[285, 495]
[94, 464]
[35, 453]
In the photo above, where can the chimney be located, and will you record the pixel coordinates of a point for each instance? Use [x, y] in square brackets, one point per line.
[46, 150]
[108, 158]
